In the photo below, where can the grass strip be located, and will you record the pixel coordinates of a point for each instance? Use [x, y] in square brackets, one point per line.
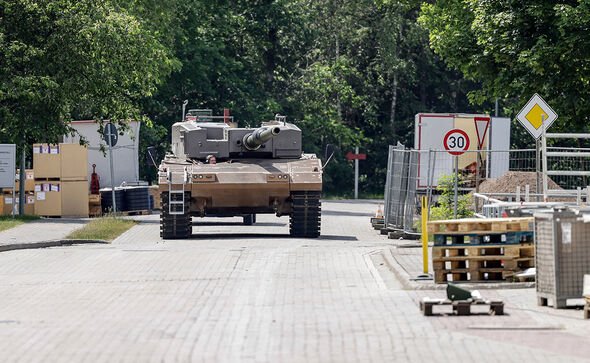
[7, 222]
[105, 228]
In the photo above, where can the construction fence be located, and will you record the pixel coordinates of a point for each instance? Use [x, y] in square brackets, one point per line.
[414, 173]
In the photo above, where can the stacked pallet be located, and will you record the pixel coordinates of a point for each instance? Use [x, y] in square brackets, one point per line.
[481, 249]
[61, 180]
[94, 205]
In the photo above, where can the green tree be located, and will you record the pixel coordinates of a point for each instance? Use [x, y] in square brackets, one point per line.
[517, 48]
[64, 59]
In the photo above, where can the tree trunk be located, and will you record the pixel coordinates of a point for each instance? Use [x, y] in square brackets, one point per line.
[338, 105]
[393, 104]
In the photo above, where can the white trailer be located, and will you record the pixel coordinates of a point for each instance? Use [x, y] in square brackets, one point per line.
[484, 133]
[125, 153]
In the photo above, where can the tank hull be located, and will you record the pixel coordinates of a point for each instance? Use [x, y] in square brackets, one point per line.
[244, 186]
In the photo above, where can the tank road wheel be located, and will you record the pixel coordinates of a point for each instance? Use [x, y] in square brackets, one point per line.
[305, 219]
[249, 219]
[175, 226]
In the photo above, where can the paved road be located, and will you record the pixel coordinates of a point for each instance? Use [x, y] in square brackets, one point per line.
[251, 294]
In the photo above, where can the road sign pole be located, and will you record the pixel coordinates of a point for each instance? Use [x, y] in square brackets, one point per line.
[544, 141]
[356, 174]
[21, 181]
[538, 167]
[477, 178]
[112, 177]
[456, 196]
[111, 137]
[14, 201]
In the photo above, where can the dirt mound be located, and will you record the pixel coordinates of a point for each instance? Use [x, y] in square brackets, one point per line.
[508, 182]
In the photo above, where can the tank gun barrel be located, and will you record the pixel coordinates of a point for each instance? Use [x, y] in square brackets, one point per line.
[255, 139]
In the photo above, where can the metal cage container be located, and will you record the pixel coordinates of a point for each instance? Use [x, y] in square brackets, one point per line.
[562, 253]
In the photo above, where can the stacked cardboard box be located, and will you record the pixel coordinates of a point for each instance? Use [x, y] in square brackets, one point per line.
[7, 197]
[8, 204]
[61, 180]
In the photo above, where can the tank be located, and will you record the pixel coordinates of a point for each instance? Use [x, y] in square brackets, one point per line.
[220, 170]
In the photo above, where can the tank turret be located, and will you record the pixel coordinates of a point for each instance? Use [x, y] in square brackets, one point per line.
[199, 139]
[255, 139]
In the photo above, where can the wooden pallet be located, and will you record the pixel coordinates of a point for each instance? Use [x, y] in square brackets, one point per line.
[47, 179]
[95, 211]
[483, 237]
[481, 225]
[480, 262]
[461, 307]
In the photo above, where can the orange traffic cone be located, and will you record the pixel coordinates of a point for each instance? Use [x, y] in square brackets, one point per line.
[379, 213]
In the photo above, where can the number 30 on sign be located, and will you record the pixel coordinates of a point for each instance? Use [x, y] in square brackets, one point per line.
[456, 142]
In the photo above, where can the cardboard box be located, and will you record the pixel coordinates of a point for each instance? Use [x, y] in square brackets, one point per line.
[94, 199]
[74, 198]
[63, 161]
[74, 162]
[47, 202]
[29, 180]
[46, 161]
[7, 204]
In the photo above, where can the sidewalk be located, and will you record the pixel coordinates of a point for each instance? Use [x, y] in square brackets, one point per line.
[40, 233]
[405, 260]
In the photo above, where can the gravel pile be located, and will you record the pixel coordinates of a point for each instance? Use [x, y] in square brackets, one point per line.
[509, 181]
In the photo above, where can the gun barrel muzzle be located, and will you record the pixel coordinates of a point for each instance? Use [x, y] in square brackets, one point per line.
[256, 138]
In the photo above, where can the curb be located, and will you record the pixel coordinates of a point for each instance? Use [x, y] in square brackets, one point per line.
[46, 244]
[404, 279]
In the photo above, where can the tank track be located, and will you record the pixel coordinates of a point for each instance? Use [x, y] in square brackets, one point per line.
[305, 218]
[175, 226]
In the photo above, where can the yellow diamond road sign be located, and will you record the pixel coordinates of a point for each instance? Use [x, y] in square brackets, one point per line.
[535, 114]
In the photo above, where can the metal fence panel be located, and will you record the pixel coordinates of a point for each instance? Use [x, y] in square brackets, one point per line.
[400, 189]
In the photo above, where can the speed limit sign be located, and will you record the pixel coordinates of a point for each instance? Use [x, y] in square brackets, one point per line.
[456, 142]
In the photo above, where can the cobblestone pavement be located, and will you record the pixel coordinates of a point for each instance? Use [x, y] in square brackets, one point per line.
[251, 294]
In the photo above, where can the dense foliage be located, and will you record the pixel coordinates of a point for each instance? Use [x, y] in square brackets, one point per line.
[65, 59]
[518, 48]
[349, 73]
